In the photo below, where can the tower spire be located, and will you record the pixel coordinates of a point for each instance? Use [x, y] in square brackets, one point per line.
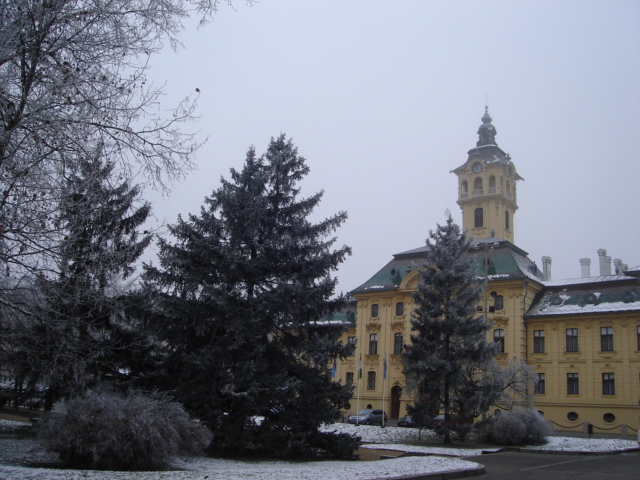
[487, 132]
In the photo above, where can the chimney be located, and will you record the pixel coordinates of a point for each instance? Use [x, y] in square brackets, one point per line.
[605, 262]
[618, 267]
[546, 268]
[585, 267]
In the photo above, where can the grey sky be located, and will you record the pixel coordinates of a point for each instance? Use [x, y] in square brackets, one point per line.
[384, 99]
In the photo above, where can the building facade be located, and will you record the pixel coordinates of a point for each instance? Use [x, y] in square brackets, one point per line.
[582, 336]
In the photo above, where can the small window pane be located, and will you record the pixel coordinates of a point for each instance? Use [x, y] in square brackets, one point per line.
[374, 310]
[498, 338]
[573, 384]
[540, 386]
[371, 381]
[606, 339]
[538, 341]
[373, 344]
[349, 378]
[608, 384]
[399, 309]
[398, 344]
[572, 340]
[499, 302]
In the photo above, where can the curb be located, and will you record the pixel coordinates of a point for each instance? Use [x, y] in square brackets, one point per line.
[451, 474]
[570, 452]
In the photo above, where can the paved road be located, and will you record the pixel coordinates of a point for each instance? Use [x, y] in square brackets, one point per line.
[533, 466]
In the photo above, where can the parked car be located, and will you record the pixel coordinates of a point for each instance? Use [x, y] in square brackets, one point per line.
[439, 421]
[406, 422]
[369, 417]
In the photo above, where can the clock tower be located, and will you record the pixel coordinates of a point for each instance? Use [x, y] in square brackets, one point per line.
[487, 188]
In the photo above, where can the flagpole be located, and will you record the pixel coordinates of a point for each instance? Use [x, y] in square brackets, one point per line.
[384, 385]
[359, 378]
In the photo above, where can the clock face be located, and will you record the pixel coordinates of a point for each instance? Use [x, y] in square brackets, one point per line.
[477, 168]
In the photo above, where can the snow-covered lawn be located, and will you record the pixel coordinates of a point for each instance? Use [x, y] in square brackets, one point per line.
[15, 452]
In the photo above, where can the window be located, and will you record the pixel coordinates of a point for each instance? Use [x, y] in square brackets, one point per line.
[572, 416]
[371, 381]
[498, 302]
[540, 386]
[608, 384]
[478, 220]
[573, 384]
[498, 338]
[492, 185]
[609, 417]
[538, 341]
[399, 309]
[606, 339]
[373, 344]
[398, 344]
[477, 187]
[506, 220]
[464, 189]
[351, 340]
[374, 310]
[349, 378]
[638, 335]
[572, 340]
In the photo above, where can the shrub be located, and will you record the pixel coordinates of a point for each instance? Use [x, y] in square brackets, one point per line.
[520, 426]
[106, 431]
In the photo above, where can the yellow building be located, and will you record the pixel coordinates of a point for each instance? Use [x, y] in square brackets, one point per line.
[582, 336]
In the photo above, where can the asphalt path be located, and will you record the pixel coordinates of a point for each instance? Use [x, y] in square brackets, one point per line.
[536, 466]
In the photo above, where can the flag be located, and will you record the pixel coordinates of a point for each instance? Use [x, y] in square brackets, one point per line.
[384, 366]
[334, 369]
[360, 368]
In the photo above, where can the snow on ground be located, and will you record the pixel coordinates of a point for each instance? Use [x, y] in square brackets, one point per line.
[14, 452]
[405, 439]
[572, 444]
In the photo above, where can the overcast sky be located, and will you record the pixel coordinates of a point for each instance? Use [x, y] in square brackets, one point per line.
[384, 99]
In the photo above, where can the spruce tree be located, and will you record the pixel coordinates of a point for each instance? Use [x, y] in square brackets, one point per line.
[78, 333]
[449, 352]
[240, 298]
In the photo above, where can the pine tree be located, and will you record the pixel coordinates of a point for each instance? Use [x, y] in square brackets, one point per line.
[239, 299]
[78, 333]
[449, 352]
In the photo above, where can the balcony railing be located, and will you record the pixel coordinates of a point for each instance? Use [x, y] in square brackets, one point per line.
[478, 192]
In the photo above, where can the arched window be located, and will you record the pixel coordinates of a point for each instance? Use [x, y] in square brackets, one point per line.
[399, 309]
[477, 187]
[492, 185]
[506, 220]
[464, 189]
[498, 338]
[478, 218]
[373, 344]
[398, 344]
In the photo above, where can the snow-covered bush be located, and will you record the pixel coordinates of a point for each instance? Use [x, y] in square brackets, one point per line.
[520, 426]
[106, 431]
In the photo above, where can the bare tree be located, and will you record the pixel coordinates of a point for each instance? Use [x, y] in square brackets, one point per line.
[74, 76]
